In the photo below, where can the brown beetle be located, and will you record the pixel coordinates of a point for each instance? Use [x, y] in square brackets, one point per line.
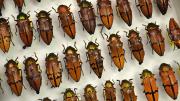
[33, 73]
[174, 32]
[14, 76]
[123, 9]
[94, 58]
[67, 21]
[44, 26]
[146, 7]
[169, 80]
[150, 87]
[5, 35]
[109, 91]
[127, 90]
[73, 62]
[25, 27]
[54, 69]
[1, 6]
[70, 95]
[46, 99]
[116, 50]
[90, 93]
[106, 12]
[19, 4]
[136, 46]
[87, 16]
[155, 38]
[163, 6]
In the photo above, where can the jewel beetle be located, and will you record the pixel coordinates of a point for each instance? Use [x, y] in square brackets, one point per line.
[109, 91]
[136, 46]
[150, 87]
[123, 9]
[94, 57]
[169, 80]
[87, 16]
[174, 32]
[44, 26]
[145, 7]
[33, 73]
[25, 27]
[73, 62]
[70, 95]
[155, 38]
[90, 93]
[53, 69]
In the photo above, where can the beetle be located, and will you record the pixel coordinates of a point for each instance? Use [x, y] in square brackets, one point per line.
[94, 57]
[70, 95]
[169, 80]
[19, 4]
[87, 16]
[105, 11]
[109, 91]
[136, 46]
[90, 93]
[25, 27]
[5, 35]
[1, 6]
[127, 90]
[14, 76]
[146, 7]
[33, 73]
[155, 38]
[54, 69]
[149, 83]
[123, 9]
[116, 50]
[73, 62]
[46, 99]
[44, 26]
[174, 32]
[67, 21]
[163, 6]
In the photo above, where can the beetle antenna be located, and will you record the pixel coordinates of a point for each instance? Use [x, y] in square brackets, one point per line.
[36, 56]
[126, 33]
[28, 13]
[13, 17]
[36, 12]
[16, 59]
[96, 42]
[64, 48]
[75, 45]
[54, 9]
[75, 90]
[49, 11]
[106, 36]
[117, 32]
[177, 63]
[113, 81]
[119, 81]
[70, 5]
[85, 44]
[136, 28]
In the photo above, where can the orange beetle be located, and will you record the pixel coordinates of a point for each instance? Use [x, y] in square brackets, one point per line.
[169, 80]
[150, 87]
[109, 91]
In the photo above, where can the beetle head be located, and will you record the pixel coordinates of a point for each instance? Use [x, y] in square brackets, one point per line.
[89, 89]
[125, 84]
[146, 73]
[152, 26]
[29, 61]
[10, 64]
[63, 9]
[42, 14]
[85, 3]
[70, 50]
[69, 93]
[92, 46]
[51, 56]
[164, 67]
[109, 84]
[22, 16]
[133, 33]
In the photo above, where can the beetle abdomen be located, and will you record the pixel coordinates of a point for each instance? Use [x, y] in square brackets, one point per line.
[46, 36]
[162, 5]
[16, 86]
[138, 52]
[5, 39]
[19, 4]
[146, 8]
[35, 82]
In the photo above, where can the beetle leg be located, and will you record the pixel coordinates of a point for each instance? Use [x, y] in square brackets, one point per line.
[110, 55]
[102, 27]
[117, 11]
[36, 57]
[147, 39]
[59, 21]
[138, 5]
[124, 56]
[66, 66]
[87, 57]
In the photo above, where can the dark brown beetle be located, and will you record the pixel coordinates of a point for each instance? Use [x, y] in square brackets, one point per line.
[33, 73]
[109, 91]
[87, 16]
[155, 38]
[127, 91]
[136, 46]
[46, 99]
[116, 50]
[14, 76]
[90, 93]
[73, 62]
[5, 35]
[174, 32]
[146, 7]
[94, 58]
[67, 21]
[44, 26]
[123, 9]
[54, 69]
[70, 95]
[1, 6]
[25, 27]
[19, 4]
[106, 12]
[163, 6]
